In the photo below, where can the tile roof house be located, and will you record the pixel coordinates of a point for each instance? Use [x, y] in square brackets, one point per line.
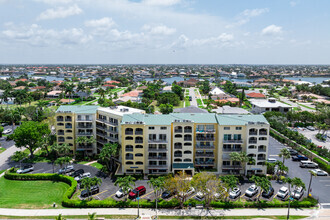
[255, 95]
[112, 82]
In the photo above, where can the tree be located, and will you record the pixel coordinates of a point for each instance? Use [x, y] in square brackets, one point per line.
[168, 98]
[69, 89]
[60, 217]
[126, 183]
[19, 156]
[158, 184]
[177, 90]
[87, 183]
[239, 157]
[179, 183]
[297, 182]
[262, 182]
[209, 185]
[230, 181]
[166, 108]
[1, 130]
[92, 216]
[102, 93]
[310, 182]
[62, 160]
[29, 135]
[109, 155]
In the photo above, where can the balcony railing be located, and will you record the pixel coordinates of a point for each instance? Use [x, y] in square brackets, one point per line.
[107, 122]
[178, 147]
[68, 119]
[157, 149]
[187, 130]
[138, 141]
[261, 150]
[157, 157]
[205, 138]
[113, 139]
[253, 133]
[139, 133]
[60, 140]
[129, 158]
[178, 131]
[263, 133]
[84, 126]
[128, 132]
[157, 141]
[60, 119]
[231, 149]
[204, 146]
[101, 141]
[157, 166]
[231, 167]
[204, 163]
[261, 158]
[204, 155]
[252, 141]
[60, 133]
[84, 119]
[177, 155]
[205, 130]
[129, 149]
[85, 133]
[68, 127]
[233, 141]
[187, 139]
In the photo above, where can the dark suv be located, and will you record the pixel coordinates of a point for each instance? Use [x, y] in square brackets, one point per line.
[92, 191]
[137, 192]
[77, 173]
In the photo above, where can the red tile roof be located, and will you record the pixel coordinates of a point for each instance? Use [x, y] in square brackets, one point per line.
[255, 95]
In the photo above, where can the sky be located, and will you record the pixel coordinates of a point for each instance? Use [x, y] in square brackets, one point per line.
[164, 32]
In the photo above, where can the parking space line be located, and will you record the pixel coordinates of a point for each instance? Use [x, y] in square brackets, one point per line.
[147, 194]
[101, 192]
[258, 194]
[242, 195]
[112, 195]
[274, 196]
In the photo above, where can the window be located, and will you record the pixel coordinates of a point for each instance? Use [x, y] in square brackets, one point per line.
[238, 128]
[152, 163]
[262, 139]
[152, 136]
[187, 144]
[177, 160]
[187, 160]
[162, 162]
[237, 137]
[209, 127]
[139, 163]
[128, 138]
[151, 128]
[187, 152]
[163, 128]
[226, 163]
[87, 117]
[226, 146]
[226, 128]
[227, 137]
[139, 146]
[162, 137]
[129, 163]
[139, 155]
[178, 136]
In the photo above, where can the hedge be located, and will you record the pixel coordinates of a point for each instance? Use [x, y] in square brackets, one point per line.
[323, 165]
[111, 203]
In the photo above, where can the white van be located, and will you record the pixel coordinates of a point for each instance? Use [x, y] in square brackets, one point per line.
[308, 164]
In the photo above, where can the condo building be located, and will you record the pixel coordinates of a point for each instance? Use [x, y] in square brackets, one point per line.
[161, 144]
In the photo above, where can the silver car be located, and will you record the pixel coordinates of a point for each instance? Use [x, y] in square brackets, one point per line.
[283, 192]
[251, 191]
[297, 193]
[235, 193]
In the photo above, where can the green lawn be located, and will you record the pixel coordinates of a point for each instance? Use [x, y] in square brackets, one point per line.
[31, 194]
[97, 165]
[1, 171]
[2, 149]
[187, 102]
[199, 102]
[306, 106]
[285, 103]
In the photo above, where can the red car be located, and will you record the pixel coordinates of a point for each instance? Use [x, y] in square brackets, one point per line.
[137, 192]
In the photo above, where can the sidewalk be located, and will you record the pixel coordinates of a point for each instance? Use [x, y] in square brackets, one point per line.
[313, 213]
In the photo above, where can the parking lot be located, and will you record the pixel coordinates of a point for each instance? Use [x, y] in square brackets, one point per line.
[312, 136]
[320, 188]
[3, 140]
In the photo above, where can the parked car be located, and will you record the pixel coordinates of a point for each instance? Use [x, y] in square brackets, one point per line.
[25, 169]
[120, 193]
[66, 169]
[82, 176]
[308, 164]
[283, 192]
[7, 131]
[271, 160]
[236, 192]
[167, 194]
[319, 172]
[4, 124]
[199, 196]
[77, 173]
[311, 128]
[137, 192]
[269, 193]
[292, 152]
[251, 191]
[297, 193]
[299, 158]
[92, 191]
[189, 192]
[190, 98]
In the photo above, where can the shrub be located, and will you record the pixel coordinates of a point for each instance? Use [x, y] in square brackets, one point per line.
[323, 165]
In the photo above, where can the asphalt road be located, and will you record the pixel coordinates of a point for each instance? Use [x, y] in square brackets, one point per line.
[311, 135]
[3, 142]
[320, 184]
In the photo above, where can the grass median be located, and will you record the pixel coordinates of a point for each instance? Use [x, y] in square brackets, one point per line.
[31, 194]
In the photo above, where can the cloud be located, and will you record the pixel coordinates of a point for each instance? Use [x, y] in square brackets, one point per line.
[245, 16]
[60, 12]
[102, 23]
[159, 30]
[161, 2]
[272, 30]
[35, 35]
[55, 2]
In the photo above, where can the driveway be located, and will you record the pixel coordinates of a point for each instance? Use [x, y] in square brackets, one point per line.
[320, 184]
[193, 97]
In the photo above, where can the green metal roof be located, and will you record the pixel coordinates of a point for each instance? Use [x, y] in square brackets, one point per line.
[183, 165]
[87, 109]
[240, 119]
[195, 117]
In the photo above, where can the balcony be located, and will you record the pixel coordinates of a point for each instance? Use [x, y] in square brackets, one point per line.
[177, 155]
[198, 146]
[60, 119]
[205, 138]
[232, 167]
[263, 133]
[231, 149]
[68, 127]
[85, 133]
[261, 150]
[128, 158]
[68, 119]
[204, 164]
[138, 141]
[252, 141]
[261, 158]
[84, 126]
[138, 132]
[187, 139]
[112, 131]
[61, 140]
[101, 134]
[157, 157]
[157, 166]
[101, 141]
[233, 141]
[107, 122]
[178, 147]
[157, 149]
[204, 155]
[83, 119]
[100, 127]
[157, 141]
[178, 131]
[60, 133]
[129, 149]
[253, 133]
[128, 132]
[113, 139]
[205, 131]
[187, 130]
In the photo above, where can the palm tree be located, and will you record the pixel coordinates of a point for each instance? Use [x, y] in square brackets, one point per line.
[69, 90]
[102, 93]
[125, 183]
[230, 182]
[251, 161]
[158, 184]
[235, 157]
[88, 182]
[297, 182]
[285, 154]
[262, 182]
[310, 181]
[109, 155]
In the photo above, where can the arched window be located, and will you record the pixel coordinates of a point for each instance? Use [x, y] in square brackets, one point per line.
[129, 156]
[129, 163]
[252, 147]
[129, 131]
[178, 136]
[178, 153]
[263, 131]
[177, 160]
[178, 129]
[187, 144]
[129, 148]
[187, 129]
[139, 131]
[187, 160]
[129, 138]
[139, 155]
[138, 163]
[187, 152]
[138, 146]
[139, 140]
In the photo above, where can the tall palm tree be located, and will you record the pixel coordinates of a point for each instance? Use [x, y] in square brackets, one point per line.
[102, 93]
[109, 155]
[310, 182]
[158, 184]
[69, 90]
[285, 154]
[262, 182]
[88, 182]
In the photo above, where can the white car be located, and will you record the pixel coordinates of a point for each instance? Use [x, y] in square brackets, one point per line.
[66, 169]
[319, 172]
[7, 131]
[25, 169]
[252, 190]
[199, 196]
[80, 177]
[120, 193]
[271, 160]
[189, 192]
[283, 192]
[297, 193]
[235, 193]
